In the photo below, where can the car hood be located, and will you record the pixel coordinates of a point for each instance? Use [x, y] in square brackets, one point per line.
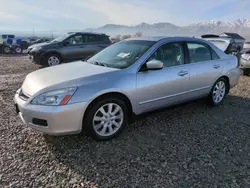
[41, 44]
[38, 45]
[60, 74]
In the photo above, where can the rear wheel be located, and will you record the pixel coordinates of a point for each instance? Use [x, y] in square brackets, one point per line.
[218, 92]
[106, 118]
[18, 50]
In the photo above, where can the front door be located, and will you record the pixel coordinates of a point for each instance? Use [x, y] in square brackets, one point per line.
[170, 85]
[73, 48]
[205, 68]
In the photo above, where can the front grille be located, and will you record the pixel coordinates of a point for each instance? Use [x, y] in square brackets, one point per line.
[23, 96]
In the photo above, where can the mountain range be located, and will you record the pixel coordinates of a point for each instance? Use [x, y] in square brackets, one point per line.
[241, 26]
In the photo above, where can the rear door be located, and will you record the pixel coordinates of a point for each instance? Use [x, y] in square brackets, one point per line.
[205, 68]
[94, 43]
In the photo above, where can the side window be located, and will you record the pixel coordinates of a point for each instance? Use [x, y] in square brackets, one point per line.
[93, 38]
[214, 55]
[171, 54]
[198, 52]
[76, 39]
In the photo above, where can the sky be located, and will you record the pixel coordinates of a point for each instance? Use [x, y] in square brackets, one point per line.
[53, 15]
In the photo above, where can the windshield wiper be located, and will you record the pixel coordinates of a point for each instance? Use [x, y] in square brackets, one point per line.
[99, 63]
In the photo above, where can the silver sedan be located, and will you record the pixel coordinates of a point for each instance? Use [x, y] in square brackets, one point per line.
[128, 78]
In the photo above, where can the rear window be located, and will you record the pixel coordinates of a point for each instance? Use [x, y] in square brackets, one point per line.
[214, 55]
[96, 38]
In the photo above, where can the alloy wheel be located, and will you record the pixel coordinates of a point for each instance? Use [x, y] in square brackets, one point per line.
[108, 119]
[219, 92]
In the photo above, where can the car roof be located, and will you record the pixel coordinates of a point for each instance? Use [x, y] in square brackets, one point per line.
[159, 38]
[92, 33]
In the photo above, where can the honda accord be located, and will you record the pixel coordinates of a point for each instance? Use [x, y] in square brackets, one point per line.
[133, 76]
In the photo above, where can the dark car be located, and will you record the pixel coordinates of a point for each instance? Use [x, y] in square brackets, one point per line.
[69, 47]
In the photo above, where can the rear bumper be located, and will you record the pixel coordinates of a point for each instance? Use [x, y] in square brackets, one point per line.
[234, 77]
[60, 120]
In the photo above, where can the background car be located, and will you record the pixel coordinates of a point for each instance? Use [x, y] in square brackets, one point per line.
[130, 77]
[14, 44]
[245, 59]
[69, 47]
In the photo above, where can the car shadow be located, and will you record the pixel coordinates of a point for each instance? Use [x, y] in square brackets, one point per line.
[185, 144]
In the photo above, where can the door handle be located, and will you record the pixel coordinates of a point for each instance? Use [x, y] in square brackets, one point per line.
[183, 73]
[82, 47]
[216, 66]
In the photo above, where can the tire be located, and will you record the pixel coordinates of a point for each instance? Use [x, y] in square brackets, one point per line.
[18, 50]
[246, 72]
[218, 92]
[105, 128]
[6, 49]
[52, 60]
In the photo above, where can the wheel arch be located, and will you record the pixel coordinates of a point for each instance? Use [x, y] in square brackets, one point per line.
[227, 80]
[113, 94]
[46, 54]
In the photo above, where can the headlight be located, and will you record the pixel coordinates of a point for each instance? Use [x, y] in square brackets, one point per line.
[35, 49]
[54, 98]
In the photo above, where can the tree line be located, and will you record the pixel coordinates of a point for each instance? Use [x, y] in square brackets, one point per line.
[122, 37]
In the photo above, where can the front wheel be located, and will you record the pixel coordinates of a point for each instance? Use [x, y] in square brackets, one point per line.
[6, 49]
[52, 60]
[218, 92]
[106, 119]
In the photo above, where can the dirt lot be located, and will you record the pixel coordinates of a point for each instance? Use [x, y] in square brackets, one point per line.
[192, 145]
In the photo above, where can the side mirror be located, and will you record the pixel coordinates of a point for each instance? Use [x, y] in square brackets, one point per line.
[154, 65]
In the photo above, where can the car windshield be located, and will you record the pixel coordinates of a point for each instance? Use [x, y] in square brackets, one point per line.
[122, 54]
[61, 38]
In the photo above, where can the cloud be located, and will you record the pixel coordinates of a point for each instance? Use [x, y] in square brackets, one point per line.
[77, 14]
[122, 12]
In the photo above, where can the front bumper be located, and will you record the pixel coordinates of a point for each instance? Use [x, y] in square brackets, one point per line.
[36, 57]
[244, 64]
[61, 120]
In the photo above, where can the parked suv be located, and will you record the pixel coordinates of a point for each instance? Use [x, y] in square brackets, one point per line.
[68, 47]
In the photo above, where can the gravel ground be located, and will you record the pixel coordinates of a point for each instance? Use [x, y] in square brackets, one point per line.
[192, 145]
